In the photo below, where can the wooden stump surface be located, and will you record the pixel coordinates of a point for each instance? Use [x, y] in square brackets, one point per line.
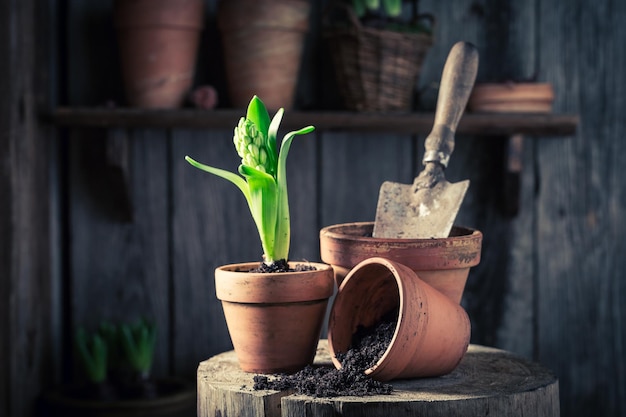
[488, 381]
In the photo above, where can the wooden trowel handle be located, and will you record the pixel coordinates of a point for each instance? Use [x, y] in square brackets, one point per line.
[457, 81]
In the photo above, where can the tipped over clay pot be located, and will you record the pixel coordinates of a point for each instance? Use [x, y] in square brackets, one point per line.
[443, 263]
[432, 332]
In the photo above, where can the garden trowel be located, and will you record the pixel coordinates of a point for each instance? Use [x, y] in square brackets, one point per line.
[427, 208]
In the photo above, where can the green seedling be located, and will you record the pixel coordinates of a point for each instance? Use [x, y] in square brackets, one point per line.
[262, 178]
[92, 350]
[138, 342]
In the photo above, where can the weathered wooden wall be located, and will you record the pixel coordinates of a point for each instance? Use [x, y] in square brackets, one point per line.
[28, 350]
[550, 283]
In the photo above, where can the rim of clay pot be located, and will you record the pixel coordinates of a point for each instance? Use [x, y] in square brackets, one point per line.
[521, 89]
[523, 97]
[234, 283]
[290, 15]
[395, 285]
[185, 14]
[464, 245]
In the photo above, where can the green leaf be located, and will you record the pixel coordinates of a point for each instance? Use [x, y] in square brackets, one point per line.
[92, 351]
[257, 113]
[283, 228]
[393, 8]
[372, 4]
[272, 134]
[263, 203]
[138, 342]
[359, 7]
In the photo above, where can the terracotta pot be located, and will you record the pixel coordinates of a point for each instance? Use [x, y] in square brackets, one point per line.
[158, 42]
[432, 333]
[274, 320]
[178, 399]
[512, 98]
[443, 263]
[263, 42]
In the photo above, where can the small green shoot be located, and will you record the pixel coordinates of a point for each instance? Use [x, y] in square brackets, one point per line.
[138, 342]
[92, 350]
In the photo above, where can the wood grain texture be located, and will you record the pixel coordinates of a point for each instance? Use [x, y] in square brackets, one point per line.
[26, 287]
[487, 381]
[580, 206]
[345, 121]
[354, 167]
[120, 269]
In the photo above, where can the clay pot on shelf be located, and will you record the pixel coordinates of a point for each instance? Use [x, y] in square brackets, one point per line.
[274, 319]
[512, 97]
[432, 332]
[263, 42]
[442, 263]
[158, 41]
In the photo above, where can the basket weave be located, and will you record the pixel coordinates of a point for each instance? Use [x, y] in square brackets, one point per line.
[376, 70]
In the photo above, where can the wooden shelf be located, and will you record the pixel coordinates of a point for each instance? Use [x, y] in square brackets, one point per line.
[409, 123]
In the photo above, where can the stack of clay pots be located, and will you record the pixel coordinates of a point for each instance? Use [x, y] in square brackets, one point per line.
[420, 279]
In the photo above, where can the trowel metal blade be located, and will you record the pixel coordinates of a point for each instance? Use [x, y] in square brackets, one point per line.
[427, 213]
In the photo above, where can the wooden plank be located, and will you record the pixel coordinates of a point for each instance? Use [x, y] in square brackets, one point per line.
[119, 267]
[25, 277]
[211, 226]
[487, 381]
[580, 205]
[471, 123]
[354, 167]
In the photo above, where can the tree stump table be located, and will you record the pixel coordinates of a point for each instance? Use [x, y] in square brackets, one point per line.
[488, 381]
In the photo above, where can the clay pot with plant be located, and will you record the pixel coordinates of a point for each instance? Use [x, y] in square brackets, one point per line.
[117, 362]
[274, 309]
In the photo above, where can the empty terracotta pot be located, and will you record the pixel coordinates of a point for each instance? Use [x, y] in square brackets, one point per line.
[158, 41]
[527, 97]
[432, 332]
[263, 43]
[274, 319]
[443, 263]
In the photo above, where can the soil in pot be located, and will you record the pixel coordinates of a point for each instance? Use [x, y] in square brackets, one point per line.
[274, 319]
[368, 345]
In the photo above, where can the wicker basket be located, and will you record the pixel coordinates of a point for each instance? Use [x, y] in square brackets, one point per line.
[376, 70]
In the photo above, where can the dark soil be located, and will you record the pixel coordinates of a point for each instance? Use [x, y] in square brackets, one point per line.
[281, 266]
[368, 345]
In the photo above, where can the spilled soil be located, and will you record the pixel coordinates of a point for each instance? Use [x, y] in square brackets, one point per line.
[368, 345]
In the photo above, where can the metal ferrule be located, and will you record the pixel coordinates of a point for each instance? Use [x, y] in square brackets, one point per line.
[436, 156]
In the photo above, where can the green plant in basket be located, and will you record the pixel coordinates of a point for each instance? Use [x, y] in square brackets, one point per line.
[387, 14]
[262, 176]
